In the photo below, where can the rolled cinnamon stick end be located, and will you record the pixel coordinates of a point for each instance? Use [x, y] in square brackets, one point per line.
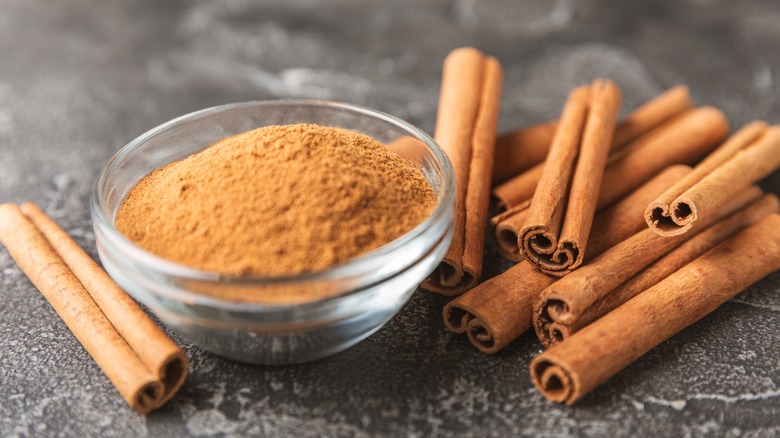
[748, 156]
[555, 235]
[570, 370]
[506, 227]
[496, 312]
[683, 140]
[466, 129]
[144, 387]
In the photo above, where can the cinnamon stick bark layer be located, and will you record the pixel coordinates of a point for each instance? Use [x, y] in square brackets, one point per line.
[563, 303]
[520, 154]
[671, 262]
[682, 140]
[521, 150]
[651, 114]
[570, 370]
[145, 366]
[748, 156]
[518, 189]
[555, 234]
[499, 310]
[466, 129]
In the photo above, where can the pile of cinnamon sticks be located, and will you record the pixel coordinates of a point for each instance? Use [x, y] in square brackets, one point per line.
[619, 242]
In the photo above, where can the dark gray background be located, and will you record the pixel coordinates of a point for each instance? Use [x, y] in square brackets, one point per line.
[79, 79]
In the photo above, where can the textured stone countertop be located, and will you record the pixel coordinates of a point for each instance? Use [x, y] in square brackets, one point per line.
[79, 79]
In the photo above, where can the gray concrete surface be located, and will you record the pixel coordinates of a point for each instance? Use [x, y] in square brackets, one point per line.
[79, 79]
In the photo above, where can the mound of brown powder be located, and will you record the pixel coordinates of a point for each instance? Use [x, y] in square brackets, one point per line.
[279, 200]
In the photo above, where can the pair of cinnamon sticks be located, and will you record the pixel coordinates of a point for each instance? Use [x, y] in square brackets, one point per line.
[145, 366]
[595, 164]
[466, 129]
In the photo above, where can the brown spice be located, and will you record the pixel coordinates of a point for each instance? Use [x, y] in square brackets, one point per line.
[278, 200]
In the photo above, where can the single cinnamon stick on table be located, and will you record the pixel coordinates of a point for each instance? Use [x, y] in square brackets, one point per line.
[570, 370]
[555, 234]
[556, 332]
[466, 128]
[499, 310]
[146, 367]
[522, 152]
[682, 140]
[748, 156]
[565, 301]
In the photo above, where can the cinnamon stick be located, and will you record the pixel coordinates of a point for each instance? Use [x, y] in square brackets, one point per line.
[682, 140]
[145, 366]
[671, 262]
[522, 152]
[465, 128]
[570, 370]
[517, 190]
[564, 302]
[555, 234]
[651, 114]
[748, 156]
[499, 310]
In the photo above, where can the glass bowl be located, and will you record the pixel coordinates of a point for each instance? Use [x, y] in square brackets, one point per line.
[358, 296]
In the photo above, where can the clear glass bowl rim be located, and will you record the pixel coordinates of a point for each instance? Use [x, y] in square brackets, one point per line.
[352, 267]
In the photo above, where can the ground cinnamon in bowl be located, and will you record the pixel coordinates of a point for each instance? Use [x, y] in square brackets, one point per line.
[277, 201]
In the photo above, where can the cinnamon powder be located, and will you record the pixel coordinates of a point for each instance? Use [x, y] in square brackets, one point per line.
[278, 200]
